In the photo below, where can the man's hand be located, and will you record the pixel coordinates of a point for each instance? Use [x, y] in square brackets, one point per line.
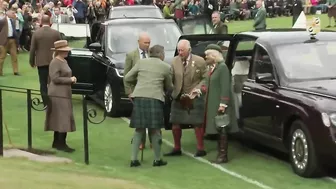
[74, 79]
[197, 92]
[130, 97]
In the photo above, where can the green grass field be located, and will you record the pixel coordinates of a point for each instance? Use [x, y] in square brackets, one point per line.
[110, 150]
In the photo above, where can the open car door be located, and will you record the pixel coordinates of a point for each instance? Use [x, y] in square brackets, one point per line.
[89, 70]
[198, 24]
[198, 45]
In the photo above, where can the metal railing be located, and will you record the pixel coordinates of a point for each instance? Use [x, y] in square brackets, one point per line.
[89, 115]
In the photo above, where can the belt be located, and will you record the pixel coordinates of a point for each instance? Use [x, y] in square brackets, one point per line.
[11, 37]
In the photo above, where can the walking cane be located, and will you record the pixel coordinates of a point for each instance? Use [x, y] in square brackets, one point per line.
[142, 153]
[142, 149]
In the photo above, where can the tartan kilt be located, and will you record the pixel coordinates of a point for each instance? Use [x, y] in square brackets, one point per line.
[178, 115]
[147, 113]
[332, 12]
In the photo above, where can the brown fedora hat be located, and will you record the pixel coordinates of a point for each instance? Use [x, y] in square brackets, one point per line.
[61, 45]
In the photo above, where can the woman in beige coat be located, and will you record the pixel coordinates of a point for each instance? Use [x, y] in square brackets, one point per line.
[60, 117]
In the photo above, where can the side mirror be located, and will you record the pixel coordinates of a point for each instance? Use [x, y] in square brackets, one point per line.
[95, 47]
[266, 78]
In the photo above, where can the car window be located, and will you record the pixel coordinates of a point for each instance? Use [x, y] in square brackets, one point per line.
[123, 38]
[149, 13]
[262, 62]
[195, 26]
[198, 46]
[245, 45]
[308, 61]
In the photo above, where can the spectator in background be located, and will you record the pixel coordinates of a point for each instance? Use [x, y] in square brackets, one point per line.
[100, 11]
[178, 7]
[8, 42]
[167, 13]
[58, 17]
[260, 18]
[193, 7]
[245, 12]
[26, 29]
[81, 11]
[91, 14]
[70, 12]
[331, 11]
[219, 26]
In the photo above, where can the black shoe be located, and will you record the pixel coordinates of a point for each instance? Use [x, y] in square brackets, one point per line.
[135, 163]
[54, 145]
[66, 148]
[174, 153]
[17, 74]
[211, 137]
[158, 163]
[328, 26]
[200, 153]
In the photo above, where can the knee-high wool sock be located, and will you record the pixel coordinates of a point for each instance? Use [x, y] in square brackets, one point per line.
[144, 136]
[136, 141]
[177, 134]
[199, 138]
[156, 142]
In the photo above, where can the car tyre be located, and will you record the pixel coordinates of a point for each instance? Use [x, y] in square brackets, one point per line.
[110, 101]
[302, 151]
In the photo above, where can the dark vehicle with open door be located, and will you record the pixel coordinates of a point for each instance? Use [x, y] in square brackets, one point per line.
[287, 100]
[108, 44]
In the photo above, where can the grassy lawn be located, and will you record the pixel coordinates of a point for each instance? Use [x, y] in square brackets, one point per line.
[110, 149]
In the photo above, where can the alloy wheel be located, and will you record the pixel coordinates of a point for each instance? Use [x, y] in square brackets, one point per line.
[299, 147]
[108, 98]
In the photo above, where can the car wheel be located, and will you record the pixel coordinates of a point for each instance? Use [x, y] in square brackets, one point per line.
[302, 151]
[110, 102]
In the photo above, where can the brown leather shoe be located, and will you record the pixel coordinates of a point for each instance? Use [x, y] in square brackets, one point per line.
[174, 152]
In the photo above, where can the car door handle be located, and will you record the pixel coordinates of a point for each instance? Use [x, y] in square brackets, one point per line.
[247, 88]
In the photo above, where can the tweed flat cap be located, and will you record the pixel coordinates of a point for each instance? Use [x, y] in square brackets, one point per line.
[214, 47]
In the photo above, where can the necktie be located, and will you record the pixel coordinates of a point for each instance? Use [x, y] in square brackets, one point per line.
[143, 54]
[184, 63]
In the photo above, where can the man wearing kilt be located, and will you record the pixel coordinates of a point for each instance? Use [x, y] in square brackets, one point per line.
[189, 74]
[152, 79]
[331, 11]
[132, 58]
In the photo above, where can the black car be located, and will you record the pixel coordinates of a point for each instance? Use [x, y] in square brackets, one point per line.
[285, 89]
[284, 82]
[108, 44]
[146, 11]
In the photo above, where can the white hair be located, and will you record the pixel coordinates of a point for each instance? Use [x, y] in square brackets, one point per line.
[214, 54]
[185, 43]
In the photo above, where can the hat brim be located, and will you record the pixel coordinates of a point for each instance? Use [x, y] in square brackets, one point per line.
[62, 49]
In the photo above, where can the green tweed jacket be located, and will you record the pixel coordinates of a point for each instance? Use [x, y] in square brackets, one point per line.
[260, 19]
[131, 58]
[151, 77]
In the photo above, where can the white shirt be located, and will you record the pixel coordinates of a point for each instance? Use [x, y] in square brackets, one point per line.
[188, 59]
[140, 53]
[10, 28]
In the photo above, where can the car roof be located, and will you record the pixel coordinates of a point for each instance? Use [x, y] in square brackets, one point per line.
[135, 7]
[275, 37]
[130, 20]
